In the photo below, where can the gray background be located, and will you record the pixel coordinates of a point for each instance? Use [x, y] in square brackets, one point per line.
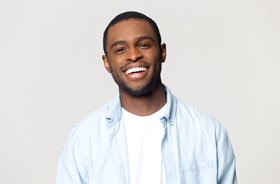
[223, 56]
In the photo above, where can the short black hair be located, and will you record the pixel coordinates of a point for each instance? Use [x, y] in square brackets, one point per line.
[130, 15]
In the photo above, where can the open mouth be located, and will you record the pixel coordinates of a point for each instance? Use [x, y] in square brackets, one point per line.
[135, 70]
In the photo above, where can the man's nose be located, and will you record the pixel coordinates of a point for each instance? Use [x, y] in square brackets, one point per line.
[134, 54]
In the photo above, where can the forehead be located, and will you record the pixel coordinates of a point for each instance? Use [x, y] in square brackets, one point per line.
[130, 29]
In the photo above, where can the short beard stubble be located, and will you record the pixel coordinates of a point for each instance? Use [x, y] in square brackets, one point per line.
[144, 91]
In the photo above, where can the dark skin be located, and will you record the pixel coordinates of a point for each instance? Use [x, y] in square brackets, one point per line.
[134, 59]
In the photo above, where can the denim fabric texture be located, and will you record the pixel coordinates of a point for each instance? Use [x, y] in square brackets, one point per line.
[195, 148]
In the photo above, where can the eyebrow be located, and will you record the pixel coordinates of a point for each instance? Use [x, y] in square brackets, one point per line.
[122, 42]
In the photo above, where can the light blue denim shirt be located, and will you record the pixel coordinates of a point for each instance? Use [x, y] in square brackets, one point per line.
[195, 148]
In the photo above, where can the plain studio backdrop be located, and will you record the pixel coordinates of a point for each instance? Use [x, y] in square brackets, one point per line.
[223, 57]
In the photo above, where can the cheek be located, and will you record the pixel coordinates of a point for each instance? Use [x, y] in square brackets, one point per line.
[115, 62]
[114, 69]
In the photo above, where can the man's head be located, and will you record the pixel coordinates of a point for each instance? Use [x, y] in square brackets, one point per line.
[134, 53]
[126, 16]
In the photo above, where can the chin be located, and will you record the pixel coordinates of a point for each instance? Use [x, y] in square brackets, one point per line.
[137, 92]
[141, 91]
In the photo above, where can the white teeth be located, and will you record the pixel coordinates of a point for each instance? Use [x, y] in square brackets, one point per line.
[135, 69]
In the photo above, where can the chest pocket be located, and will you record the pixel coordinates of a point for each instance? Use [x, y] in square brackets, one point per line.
[198, 172]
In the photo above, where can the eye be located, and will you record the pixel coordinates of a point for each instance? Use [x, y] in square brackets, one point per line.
[120, 50]
[144, 45]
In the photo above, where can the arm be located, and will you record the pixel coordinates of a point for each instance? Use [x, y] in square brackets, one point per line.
[70, 166]
[226, 160]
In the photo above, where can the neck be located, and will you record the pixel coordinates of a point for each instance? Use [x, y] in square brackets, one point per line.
[144, 105]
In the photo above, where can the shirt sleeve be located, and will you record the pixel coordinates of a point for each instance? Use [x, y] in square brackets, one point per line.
[226, 160]
[70, 166]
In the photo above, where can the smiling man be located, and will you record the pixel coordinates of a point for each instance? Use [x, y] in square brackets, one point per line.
[145, 135]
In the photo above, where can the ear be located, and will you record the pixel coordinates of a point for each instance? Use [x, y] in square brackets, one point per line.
[106, 63]
[163, 52]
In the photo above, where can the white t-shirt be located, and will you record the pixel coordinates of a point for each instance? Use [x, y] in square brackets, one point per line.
[144, 137]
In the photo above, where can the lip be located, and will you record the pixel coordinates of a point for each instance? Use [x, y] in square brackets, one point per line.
[137, 75]
[131, 66]
[136, 71]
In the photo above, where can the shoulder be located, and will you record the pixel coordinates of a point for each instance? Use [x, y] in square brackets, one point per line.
[195, 114]
[195, 119]
[202, 129]
[92, 123]
[189, 117]
[93, 118]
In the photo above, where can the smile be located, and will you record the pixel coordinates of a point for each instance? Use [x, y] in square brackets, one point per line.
[135, 70]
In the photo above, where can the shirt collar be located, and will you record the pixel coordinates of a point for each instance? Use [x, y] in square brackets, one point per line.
[114, 110]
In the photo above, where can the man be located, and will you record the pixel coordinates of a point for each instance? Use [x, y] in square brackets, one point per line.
[145, 135]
